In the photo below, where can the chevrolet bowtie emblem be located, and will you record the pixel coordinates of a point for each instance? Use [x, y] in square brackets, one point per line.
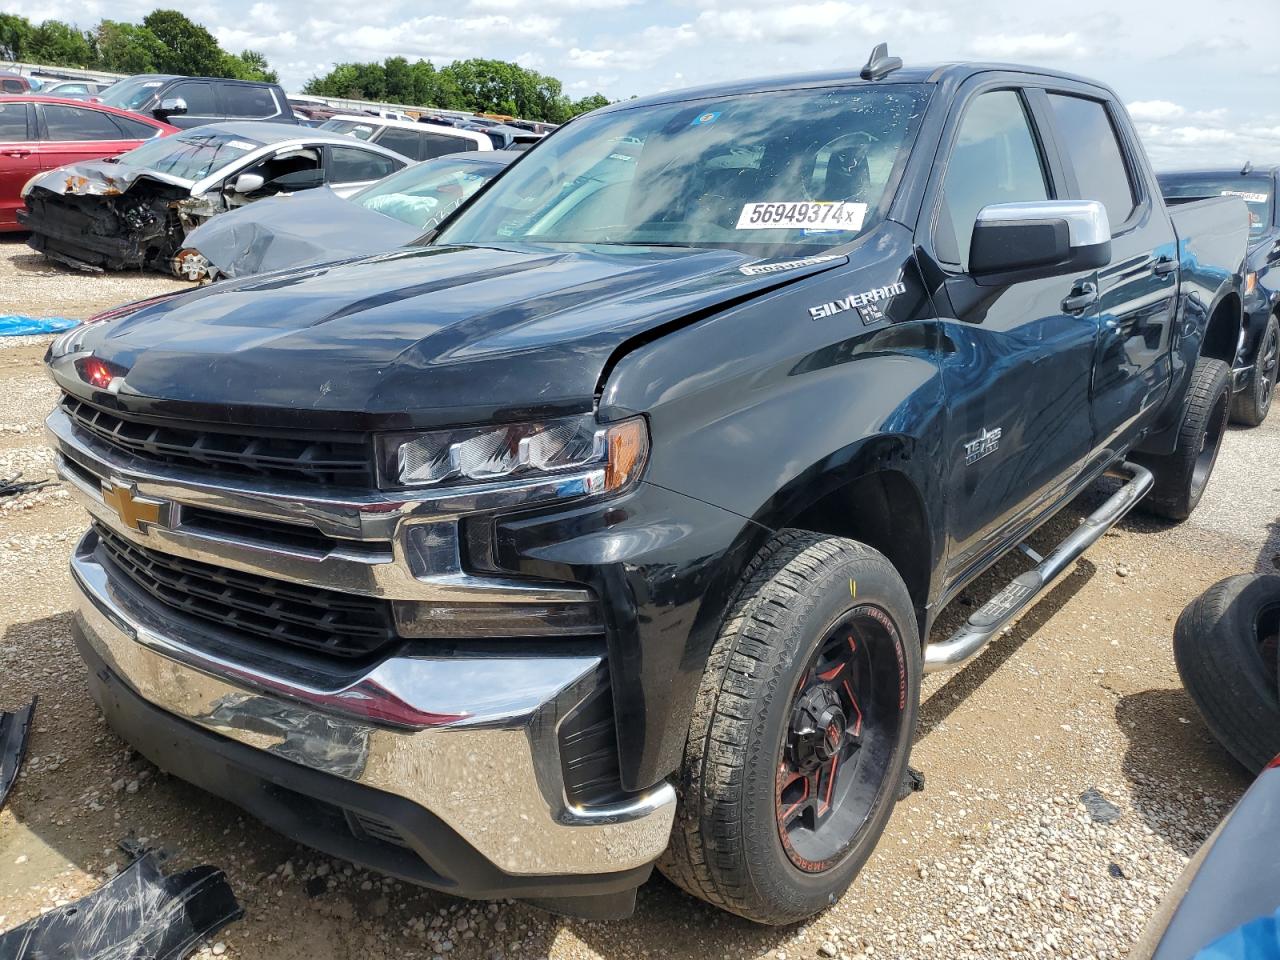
[131, 509]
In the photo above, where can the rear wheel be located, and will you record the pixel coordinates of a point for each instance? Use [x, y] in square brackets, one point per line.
[1181, 477]
[801, 733]
[1252, 404]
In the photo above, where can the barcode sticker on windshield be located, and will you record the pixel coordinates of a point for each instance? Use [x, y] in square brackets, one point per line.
[803, 214]
[1246, 197]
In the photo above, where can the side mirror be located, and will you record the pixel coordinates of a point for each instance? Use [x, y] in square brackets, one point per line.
[248, 183]
[170, 107]
[1013, 242]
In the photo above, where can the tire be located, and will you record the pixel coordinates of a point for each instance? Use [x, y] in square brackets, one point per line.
[1181, 477]
[772, 705]
[1226, 650]
[1251, 405]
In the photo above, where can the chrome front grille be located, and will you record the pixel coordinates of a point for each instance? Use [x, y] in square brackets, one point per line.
[324, 621]
[340, 461]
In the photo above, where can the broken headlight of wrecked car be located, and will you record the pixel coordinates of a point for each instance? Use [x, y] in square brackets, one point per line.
[603, 458]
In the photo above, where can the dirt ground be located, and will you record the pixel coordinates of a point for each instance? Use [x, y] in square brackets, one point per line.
[996, 857]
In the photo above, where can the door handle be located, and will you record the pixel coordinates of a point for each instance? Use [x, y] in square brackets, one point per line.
[1164, 266]
[17, 153]
[1082, 296]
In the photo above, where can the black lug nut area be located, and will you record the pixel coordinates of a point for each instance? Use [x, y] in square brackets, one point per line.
[817, 728]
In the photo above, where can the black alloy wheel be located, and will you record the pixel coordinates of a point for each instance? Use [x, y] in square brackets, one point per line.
[845, 721]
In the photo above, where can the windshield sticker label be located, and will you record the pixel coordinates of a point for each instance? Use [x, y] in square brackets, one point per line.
[705, 118]
[1247, 197]
[241, 144]
[803, 214]
[757, 269]
[857, 300]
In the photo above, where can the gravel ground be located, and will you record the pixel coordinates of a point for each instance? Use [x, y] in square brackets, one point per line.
[998, 856]
[34, 286]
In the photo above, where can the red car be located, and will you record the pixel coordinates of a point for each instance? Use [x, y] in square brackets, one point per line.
[39, 133]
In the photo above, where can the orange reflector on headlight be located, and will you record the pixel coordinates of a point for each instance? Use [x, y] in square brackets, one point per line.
[628, 449]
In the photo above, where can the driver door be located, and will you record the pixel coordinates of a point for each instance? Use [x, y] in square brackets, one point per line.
[1016, 364]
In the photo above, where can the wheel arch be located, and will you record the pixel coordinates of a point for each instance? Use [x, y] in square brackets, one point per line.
[1222, 332]
[870, 493]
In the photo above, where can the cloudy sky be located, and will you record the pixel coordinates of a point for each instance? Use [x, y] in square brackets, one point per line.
[1202, 80]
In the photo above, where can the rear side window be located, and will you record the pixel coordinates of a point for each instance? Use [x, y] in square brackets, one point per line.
[9, 85]
[438, 144]
[134, 129]
[246, 100]
[407, 143]
[199, 97]
[352, 165]
[995, 159]
[76, 123]
[1090, 140]
[13, 123]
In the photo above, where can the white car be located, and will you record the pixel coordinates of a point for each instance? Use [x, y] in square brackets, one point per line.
[417, 141]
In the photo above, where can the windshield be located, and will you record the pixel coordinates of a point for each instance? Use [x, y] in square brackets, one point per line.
[355, 128]
[1256, 192]
[764, 173]
[424, 194]
[130, 93]
[190, 156]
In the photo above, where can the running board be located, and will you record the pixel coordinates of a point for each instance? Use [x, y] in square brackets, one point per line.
[994, 615]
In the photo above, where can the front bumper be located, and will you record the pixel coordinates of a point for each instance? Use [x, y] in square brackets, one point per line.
[466, 739]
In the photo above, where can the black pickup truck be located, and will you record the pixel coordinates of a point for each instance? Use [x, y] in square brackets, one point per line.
[1258, 358]
[606, 527]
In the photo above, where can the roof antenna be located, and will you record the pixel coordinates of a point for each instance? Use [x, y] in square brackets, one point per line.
[1247, 168]
[880, 64]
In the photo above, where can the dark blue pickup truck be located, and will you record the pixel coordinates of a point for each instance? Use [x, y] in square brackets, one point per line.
[605, 527]
[1258, 358]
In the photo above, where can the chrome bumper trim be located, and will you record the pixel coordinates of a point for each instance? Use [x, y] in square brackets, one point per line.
[469, 737]
[368, 557]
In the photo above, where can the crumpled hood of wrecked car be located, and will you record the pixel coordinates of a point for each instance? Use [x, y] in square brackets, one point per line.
[420, 336]
[100, 178]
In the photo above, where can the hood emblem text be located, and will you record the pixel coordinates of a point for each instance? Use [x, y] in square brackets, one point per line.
[857, 301]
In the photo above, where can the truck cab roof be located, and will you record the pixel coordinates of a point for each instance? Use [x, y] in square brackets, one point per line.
[944, 73]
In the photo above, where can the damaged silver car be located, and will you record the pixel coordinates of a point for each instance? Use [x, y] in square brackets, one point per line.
[135, 210]
[322, 226]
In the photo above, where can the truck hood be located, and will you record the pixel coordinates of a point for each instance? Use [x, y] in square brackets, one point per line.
[100, 178]
[421, 336]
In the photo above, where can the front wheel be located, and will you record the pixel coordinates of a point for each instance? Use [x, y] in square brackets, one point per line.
[801, 733]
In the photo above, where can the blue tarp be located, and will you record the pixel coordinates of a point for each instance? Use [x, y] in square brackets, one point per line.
[1258, 940]
[16, 326]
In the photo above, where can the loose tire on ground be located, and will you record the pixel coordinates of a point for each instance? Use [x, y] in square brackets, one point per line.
[1225, 645]
[811, 690]
[1251, 405]
[1181, 477]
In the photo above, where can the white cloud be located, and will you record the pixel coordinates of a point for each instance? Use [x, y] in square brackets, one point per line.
[1029, 46]
[812, 22]
[590, 59]
[1155, 110]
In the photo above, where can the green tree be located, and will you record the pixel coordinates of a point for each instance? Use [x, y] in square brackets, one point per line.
[57, 44]
[190, 49]
[593, 102]
[15, 36]
[248, 65]
[127, 48]
[479, 85]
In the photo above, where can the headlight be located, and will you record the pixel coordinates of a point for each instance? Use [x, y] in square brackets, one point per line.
[26, 187]
[612, 455]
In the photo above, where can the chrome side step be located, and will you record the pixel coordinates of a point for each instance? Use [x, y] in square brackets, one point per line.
[994, 615]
